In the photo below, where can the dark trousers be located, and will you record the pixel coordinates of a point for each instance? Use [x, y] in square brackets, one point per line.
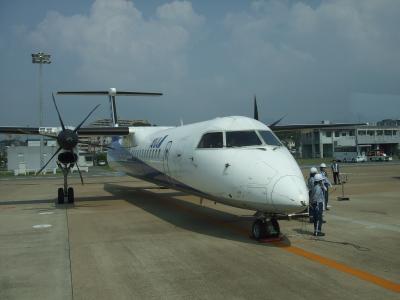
[311, 213]
[317, 209]
[326, 194]
[336, 177]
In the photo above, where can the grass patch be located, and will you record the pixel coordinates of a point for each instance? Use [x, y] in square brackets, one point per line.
[6, 173]
[314, 161]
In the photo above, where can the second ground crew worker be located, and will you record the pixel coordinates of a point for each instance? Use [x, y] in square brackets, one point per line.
[317, 202]
[335, 172]
[326, 183]
[310, 185]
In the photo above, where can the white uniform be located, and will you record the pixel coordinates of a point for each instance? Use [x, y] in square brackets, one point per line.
[317, 194]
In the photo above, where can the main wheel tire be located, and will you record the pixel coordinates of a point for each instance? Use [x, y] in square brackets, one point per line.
[60, 198]
[276, 226]
[71, 198]
[258, 230]
[272, 228]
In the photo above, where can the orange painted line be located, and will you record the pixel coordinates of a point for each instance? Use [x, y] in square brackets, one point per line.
[343, 268]
[7, 207]
[387, 284]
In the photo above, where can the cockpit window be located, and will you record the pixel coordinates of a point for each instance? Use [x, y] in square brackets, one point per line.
[269, 138]
[242, 138]
[211, 140]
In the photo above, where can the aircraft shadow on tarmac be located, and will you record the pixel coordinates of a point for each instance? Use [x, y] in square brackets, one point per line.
[49, 201]
[189, 216]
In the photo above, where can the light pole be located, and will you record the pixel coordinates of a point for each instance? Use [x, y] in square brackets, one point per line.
[41, 58]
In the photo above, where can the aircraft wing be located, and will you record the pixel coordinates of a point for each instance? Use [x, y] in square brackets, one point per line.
[278, 128]
[53, 131]
[19, 130]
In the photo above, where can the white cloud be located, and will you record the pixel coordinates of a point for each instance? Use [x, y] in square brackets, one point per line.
[317, 55]
[115, 44]
[179, 13]
[302, 59]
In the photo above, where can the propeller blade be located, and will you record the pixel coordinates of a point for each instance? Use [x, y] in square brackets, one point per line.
[255, 108]
[79, 171]
[79, 126]
[95, 145]
[59, 116]
[276, 122]
[58, 150]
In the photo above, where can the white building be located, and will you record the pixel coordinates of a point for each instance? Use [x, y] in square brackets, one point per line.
[319, 143]
[20, 158]
[26, 159]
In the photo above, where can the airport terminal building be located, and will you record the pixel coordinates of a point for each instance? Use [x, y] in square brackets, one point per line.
[320, 143]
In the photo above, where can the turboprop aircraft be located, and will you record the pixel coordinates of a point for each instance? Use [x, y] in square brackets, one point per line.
[236, 160]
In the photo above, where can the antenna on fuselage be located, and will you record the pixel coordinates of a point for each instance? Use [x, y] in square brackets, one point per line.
[112, 93]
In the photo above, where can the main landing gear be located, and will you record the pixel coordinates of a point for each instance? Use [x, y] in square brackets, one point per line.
[65, 194]
[264, 227]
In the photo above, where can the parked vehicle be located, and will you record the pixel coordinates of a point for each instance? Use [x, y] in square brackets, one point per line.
[348, 154]
[345, 154]
[361, 158]
[378, 155]
[101, 162]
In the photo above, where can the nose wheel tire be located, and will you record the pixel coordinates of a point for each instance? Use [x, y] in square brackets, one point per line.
[60, 198]
[71, 198]
[258, 229]
[262, 229]
[274, 228]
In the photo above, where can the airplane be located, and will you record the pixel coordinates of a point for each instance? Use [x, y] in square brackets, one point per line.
[235, 160]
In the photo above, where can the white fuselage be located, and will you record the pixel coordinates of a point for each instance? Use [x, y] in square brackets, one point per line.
[262, 176]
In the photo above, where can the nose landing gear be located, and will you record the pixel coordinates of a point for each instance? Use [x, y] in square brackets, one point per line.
[264, 227]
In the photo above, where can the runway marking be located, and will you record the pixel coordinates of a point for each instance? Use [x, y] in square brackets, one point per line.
[342, 267]
[46, 213]
[40, 226]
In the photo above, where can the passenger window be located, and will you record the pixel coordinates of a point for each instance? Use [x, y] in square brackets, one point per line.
[269, 138]
[242, 138]
[211, 140]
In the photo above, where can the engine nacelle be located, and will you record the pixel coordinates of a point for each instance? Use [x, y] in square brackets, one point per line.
[67, 158]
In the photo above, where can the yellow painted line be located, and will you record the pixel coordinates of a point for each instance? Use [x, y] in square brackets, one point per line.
[389, 285]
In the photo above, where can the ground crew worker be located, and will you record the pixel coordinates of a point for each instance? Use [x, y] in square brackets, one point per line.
[317, 203]
[326, 183]
[310, 185]
[335, 172]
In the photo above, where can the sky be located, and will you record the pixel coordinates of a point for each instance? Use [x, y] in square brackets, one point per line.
[313, 60]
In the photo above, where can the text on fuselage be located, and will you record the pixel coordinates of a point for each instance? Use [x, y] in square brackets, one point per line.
[157, 142]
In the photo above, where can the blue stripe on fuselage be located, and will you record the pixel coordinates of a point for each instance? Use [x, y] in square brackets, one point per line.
[133, 166]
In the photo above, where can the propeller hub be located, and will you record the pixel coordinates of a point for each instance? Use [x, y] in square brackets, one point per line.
[67, 139]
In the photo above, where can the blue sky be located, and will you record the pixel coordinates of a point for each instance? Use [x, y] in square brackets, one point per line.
[312, 60]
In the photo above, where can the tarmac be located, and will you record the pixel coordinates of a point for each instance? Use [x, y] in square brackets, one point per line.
[128, 239]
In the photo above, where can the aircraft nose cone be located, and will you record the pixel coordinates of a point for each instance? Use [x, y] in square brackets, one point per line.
[290, 194]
